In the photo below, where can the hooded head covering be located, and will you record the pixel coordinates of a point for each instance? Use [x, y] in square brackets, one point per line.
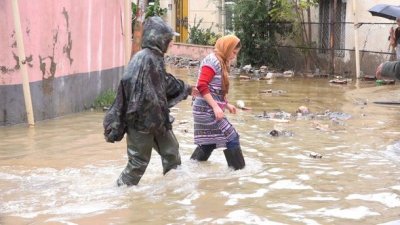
[223, 49]
[157, 34]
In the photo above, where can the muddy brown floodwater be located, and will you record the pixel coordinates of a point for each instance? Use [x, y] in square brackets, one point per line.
[63, 172]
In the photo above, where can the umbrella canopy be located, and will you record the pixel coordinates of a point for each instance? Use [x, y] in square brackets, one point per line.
[387, 11]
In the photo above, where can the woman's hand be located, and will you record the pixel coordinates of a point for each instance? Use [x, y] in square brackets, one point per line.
[195, 92]
[231, 108]
[219, 114]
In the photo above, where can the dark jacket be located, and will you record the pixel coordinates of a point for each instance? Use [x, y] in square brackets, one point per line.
[146, 91]
[391, 69]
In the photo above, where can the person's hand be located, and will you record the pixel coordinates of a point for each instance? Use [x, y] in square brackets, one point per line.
[219, 114]
[231, 108]
[378, 72]
[195, 92]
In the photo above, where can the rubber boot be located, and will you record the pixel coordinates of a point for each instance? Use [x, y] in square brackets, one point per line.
[125, 179]
[134, 169]
[202, 153]
[234, 157]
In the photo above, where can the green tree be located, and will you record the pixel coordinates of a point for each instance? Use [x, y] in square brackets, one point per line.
[151, 10]
[298, 13]
[201, 36]
[253, 26]
[256, 24]
[155, 10]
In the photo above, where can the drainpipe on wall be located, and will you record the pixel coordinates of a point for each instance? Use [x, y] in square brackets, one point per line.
[22, 63]
[128, 30]
[357, 50]
[138, 30]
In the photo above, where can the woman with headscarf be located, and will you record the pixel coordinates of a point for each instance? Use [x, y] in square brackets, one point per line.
[211, 128]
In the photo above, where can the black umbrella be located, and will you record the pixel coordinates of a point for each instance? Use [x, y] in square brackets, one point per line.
[386, 11]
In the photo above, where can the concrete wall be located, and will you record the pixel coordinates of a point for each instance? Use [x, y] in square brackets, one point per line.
[376, 36]
[209, 12]
[170, 16]
[74, 51]
[196, 52]
[205, 9]
[371, 37]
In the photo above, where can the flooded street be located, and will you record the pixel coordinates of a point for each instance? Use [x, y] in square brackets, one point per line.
[341, 170]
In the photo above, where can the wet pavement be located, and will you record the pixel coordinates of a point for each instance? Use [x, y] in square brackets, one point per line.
[327, 171]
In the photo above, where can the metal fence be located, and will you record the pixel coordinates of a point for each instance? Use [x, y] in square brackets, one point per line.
[332, 47]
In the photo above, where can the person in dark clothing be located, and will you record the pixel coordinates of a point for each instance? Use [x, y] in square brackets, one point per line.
[141, 108]
[388, 69]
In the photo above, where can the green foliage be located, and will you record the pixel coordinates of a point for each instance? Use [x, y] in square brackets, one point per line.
[201, 36]
[105, 99]
[134, 9]
[155, 10]
[256, 25]
[293, 11]
[151, 10]
[281, 10]
[284, 10]
[257, 34]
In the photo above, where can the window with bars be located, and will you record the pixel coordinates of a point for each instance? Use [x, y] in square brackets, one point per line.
[326, 10]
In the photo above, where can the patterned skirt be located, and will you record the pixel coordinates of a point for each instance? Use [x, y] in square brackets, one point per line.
[207, 130]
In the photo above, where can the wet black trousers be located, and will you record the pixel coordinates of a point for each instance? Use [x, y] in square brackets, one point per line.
[139, 148]
[233, 154]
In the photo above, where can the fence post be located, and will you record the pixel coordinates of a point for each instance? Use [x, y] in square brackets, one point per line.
[332, 37]
[128, 30]
[356, 47]
[22, 63]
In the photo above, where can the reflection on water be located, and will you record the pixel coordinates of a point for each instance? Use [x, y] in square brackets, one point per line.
[63, 172]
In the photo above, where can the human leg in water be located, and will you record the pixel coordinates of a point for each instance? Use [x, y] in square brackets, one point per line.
[233, 154]
[139, 147]
[168, 147]
[203, 152]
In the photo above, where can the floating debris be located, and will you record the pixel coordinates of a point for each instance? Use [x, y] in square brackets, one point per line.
[369, 78]
[263, 69]
[338, 81]
[247, 68]
[320, 126]
[288, 73]
[266, 91]
[338, 115]
[302, 110]
[183, 122]
[385, 82]
[315, 155]
[276, 133]
[240, 104]
[273, 92]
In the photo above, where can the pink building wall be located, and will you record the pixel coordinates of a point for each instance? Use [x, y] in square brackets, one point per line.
[77, 36]
[63, 39]
[197, 52]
